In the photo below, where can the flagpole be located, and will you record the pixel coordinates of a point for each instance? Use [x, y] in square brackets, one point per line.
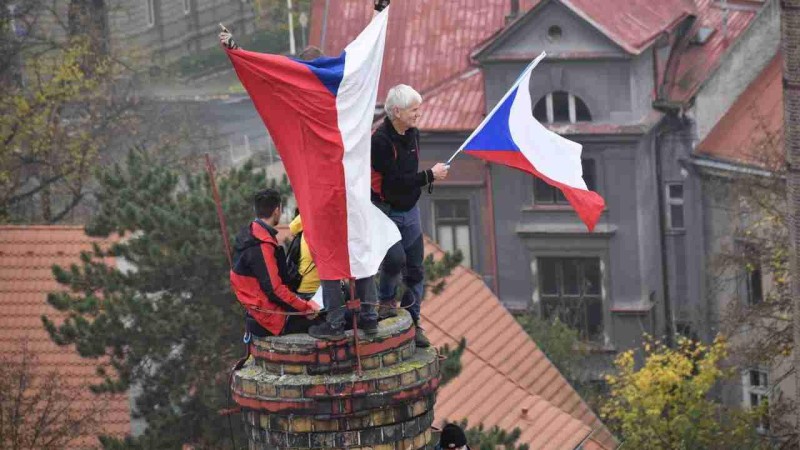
[530, 67]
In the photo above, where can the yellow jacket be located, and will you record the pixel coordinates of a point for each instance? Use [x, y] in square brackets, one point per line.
[310, 281]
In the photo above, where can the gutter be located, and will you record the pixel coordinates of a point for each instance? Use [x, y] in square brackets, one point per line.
[724, 166]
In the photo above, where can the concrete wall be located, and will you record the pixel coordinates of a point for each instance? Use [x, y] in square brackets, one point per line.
[743, 63]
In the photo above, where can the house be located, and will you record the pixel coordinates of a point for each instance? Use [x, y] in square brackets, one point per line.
[636, 83]
[506, 380]
[27, 254]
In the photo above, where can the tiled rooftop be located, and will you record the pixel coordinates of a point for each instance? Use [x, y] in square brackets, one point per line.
[26, 257]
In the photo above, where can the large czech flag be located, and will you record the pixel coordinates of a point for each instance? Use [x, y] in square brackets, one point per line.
[510, 135]
[319, 114]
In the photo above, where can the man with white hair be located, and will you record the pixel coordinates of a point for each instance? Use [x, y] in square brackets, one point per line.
[396, 187]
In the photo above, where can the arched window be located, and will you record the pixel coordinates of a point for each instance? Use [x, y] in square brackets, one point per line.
[560, 106]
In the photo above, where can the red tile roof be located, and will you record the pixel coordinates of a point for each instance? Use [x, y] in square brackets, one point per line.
[698, 62]
[428, 43]
[457, 105]
[505, 380]
[751, 132]
[27, 254]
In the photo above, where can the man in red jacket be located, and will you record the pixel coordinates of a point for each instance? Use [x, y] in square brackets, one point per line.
[259, 271]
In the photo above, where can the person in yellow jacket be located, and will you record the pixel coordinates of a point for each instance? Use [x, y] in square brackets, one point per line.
[308, 270]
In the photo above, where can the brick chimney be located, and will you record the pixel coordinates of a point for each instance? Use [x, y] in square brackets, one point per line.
[299, 392]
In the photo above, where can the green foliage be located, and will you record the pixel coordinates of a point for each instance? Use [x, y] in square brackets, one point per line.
[451, 366]
[436, 270]
[171, 326]
[665, 404]
[479, 438]
[559, 342]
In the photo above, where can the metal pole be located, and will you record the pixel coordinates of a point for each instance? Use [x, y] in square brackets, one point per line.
[292, 48]
[220, 215]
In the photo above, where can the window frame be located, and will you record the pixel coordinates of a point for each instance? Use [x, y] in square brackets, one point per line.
[760, 391]
[582, 296]
[670, 201]
[454, 222]
[572, 109]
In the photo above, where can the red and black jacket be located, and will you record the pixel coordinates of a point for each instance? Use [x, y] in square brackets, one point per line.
[395, 164]
[259, 268]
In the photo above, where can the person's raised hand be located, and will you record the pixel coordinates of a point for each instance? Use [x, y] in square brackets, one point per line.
[380, 5]
[440, 171]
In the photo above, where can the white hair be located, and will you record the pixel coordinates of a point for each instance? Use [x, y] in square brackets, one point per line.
[401, 96]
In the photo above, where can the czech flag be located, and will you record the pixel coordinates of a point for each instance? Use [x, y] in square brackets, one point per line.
[510, 135]
[319, 115]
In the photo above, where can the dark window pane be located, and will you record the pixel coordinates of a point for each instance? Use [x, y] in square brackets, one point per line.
[543, 192]
[548, 276]
[540, 110]
[594, 313]
[582, 111]
[589, 174]
[755, 292]
[591, 271]
[676, 216]
[461, 209]
[571, 271]
[560, 106]
[676, 191]
[755, 378]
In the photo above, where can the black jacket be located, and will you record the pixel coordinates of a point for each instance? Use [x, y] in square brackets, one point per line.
[395, 165]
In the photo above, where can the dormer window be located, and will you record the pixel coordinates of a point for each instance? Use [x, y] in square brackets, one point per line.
[561, 107]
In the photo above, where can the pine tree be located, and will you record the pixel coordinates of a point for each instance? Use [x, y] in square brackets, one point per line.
[170, 323]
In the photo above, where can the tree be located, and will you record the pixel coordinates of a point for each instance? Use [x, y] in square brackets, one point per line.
[451, 366]
[665, 404]
[559, 342]
[41, 410]
[64, 103]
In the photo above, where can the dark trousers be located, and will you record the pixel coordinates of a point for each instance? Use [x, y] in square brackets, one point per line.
[333, 297]
[405, 258]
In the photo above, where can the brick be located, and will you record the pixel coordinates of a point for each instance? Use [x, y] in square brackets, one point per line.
[298, 440]
[294, 369]
[408, 378]
[407, 352]
[358, 423]
[278, 423]
[347, 439]
[424, 372]
[419, 408]
[420, 440]
[389, 359]
[370, 363]
[300, 424]
[291, 392]
[322, 440]
[382, 417]
[383, 447]
[263, 421]
[248, 387]
[388, 383]
[267, 390]
[371, 436]
[325, 425]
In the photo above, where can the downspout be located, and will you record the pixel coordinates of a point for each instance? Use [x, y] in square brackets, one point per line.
[669, 322]
[492, 234]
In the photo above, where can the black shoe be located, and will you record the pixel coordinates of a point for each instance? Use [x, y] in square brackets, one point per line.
[369, 326]
[420, 339]
[325, 331]
[387, 310]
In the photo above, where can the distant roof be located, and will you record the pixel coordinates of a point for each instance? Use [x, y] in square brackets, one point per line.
[505, 380]
[631, 24]
[751, 131]
[27, 254]
[457, 105]
[428, 43]
[698, 62]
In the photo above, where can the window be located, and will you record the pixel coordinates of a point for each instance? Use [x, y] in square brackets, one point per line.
[554, 33]
[755, 383]
[452, 227]
[544, 194]
[753, 278]
[675, 206]
[187, 6]
[561, 107]
[570, 289]
[151, 12]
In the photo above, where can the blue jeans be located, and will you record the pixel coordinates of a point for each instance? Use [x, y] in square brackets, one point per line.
[333, 298]
[405, 258]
